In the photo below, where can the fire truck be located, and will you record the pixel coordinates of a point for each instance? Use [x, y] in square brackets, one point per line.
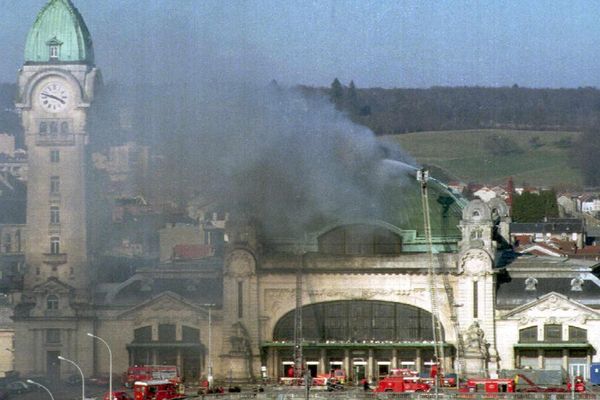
[150, 372]
[157, 390]
[401, 384]
[508, 385]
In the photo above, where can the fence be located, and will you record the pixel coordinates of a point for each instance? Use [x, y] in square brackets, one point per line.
[358, 395]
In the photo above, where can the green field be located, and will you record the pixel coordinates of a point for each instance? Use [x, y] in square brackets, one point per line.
[466, 156]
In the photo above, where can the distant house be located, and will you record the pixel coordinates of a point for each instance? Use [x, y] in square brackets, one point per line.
[485, 194]
[568, 204]
[565, 229]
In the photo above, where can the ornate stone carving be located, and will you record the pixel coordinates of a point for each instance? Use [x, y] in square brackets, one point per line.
[475, 342]
[476, 262]
[240, 264]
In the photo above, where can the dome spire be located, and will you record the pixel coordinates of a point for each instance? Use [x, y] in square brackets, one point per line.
[59, 35]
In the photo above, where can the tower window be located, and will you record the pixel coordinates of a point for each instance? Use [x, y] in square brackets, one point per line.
[64, 127]
[54, 52]
[54, 185]
[52, 302]
[54, 215]
[54, 156]
[43, 128]
[240, 299]
[54, 245]
[53, 127]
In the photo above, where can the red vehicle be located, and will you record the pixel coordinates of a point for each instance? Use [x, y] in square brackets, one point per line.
[400, 384]
[157, 390]
[533, 387]
[334, 376]
[489, 385]
[150, 372]
[409, 374]
[117, 396]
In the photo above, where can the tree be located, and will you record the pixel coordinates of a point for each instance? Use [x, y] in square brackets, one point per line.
[337, 93]
[532, 207]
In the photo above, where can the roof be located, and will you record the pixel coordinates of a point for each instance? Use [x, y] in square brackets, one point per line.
[553, 226]
[512, 293]
[192, 251]
[59, 24]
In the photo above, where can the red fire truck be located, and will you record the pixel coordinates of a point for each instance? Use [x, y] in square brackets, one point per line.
[150, 372]
[400, 384]
[489, 385]
[157, 390]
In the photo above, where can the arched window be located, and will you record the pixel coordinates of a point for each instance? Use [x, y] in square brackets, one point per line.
[52, 302]
[358, 321]
[577, 334]
[64, 127]
[361, 240]
[43, 128]
[54, 245]
[531, 283]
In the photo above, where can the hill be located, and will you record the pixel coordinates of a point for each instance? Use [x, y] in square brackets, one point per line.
[540, 158]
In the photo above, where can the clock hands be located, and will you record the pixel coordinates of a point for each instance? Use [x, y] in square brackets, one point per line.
[53, 97]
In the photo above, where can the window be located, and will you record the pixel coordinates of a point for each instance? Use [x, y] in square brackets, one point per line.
[576, 284]
[360, 239]
[52, 336]
[240, 299]
[552, 333]
[54, 245]
[528, 335]
[475, 300]
[52, 302]
[7, 243]
[577, 334]
[143, 334]
[166, 333]
[189, 334]
[53, 127]
[43, 128]
[54, 185]
[54, 215]
[54, 156]
[64, 127]
[531, 284]
[54, 52]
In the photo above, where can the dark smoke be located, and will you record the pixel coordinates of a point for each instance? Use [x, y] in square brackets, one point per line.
[287, 159]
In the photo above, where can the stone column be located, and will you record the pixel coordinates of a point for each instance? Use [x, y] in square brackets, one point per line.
[347, 362]
[370, 362]
[565, 357]
[394, 358]
[540, 359]
[418, 362]
[179, 363]
[322, 361]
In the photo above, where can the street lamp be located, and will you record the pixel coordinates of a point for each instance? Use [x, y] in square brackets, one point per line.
[61, 358]
[110, 376]
[210, 376]
[42, 386]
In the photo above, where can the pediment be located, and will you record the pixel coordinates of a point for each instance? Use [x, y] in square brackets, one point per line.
[53, 285]
[552, 308]
[165, 304]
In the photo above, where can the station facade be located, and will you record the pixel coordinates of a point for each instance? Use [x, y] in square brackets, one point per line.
[370, 289]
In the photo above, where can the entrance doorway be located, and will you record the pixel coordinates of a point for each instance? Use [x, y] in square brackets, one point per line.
[383, 368]
[53, 366]
[313, 367]
[359, 369]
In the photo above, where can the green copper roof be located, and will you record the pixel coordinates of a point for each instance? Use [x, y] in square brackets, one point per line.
[59, 25]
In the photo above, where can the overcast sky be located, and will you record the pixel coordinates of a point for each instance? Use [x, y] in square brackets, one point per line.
[376, 43]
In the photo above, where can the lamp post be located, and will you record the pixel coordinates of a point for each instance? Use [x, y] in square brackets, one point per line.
[61, 358]
[42, 386]
[110, 376]
[210, 376]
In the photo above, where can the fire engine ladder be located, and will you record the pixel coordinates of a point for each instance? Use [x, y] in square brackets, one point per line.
[438, 347]
[298, 358]
[455, 323]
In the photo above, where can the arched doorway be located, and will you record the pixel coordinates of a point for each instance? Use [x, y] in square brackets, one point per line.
[364, 337]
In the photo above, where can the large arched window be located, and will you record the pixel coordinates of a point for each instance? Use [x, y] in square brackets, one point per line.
[143, 334]
[360, 239]
[528, 335]
[358, 321]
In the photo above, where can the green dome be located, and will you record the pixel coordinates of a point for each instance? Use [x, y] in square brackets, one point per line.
[59, 35]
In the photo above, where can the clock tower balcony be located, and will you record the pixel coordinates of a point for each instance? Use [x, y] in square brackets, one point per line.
[54, 259]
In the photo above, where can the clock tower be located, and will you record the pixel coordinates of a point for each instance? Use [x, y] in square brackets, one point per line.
[55, 90]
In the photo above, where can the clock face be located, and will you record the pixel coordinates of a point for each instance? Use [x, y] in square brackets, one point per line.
[54, 97]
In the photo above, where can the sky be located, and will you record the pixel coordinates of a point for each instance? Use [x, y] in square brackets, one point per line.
[376, 43]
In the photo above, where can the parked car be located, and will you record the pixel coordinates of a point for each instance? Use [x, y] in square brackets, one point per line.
[18, 387]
